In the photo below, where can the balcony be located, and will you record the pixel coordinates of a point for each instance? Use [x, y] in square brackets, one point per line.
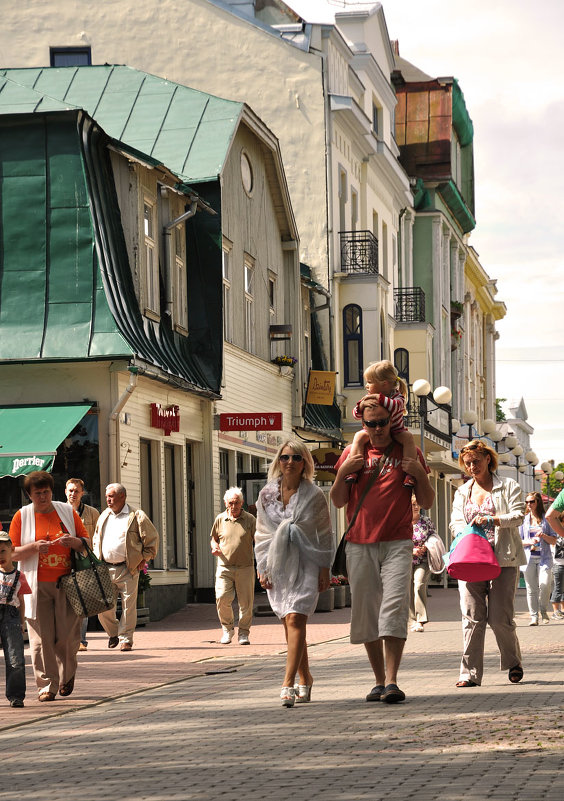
[359, 252]
[409, 305]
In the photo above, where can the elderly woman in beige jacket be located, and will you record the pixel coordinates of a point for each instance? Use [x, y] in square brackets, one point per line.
[495, 504]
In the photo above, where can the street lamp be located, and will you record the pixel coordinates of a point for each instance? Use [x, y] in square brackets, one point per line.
[440, 397]
[533, 461]
[517, 451]
[469, 418]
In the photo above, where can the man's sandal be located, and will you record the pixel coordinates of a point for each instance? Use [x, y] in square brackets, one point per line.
[466, 683]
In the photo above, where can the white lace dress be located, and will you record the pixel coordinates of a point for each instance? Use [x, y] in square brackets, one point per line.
[292, 544]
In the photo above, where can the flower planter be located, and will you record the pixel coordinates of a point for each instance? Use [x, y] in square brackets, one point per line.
[326, 601]
[339, 593]
[347, 589]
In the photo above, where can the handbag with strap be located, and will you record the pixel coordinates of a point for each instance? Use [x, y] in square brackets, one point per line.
[339, 567]
[88, 586]
[471, 556]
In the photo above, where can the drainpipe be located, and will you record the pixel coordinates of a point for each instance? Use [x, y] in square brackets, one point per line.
[114, 451]
[329, 191]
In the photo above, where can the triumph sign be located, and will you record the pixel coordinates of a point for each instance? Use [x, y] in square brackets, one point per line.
[251, 421]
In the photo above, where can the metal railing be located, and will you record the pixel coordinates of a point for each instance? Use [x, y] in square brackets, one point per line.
[359, 252]
[409, 305]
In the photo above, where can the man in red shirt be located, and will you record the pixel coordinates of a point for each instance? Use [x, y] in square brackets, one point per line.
[379, 545]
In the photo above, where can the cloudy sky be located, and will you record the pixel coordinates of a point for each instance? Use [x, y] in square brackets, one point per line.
[509, 60]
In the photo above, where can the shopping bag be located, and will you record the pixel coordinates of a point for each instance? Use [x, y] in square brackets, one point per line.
[88, 586]
[471, 556]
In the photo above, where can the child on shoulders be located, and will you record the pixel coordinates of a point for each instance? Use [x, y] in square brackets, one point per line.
[381, 380]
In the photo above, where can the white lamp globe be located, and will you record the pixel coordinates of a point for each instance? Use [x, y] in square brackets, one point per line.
[488, 426]
[504, 458]
[517, 450]
[522, 468]
[511, 441]
[469, 418]
[559, 475]
[421, 387]
[496, 436]
[442, 395]
[546, 467]
[455, 425]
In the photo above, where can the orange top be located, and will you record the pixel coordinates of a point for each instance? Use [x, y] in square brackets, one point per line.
[49, 526]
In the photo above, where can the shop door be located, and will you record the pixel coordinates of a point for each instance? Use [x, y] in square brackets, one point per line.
[251, 484]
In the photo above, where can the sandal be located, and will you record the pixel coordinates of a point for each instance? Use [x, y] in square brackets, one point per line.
[47, 696]
[287, 696]
[515, 674]
[466, 683]
[303, 693]
[67, 688]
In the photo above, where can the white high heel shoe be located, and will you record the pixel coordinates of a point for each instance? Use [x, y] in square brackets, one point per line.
[287, 696]
[303, 693]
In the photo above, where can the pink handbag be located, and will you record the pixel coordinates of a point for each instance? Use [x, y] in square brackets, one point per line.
[471, 556]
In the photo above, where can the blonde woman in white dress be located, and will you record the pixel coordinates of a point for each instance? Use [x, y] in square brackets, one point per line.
[294, 551]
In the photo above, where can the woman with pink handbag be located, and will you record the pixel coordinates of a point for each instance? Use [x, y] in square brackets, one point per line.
[496, 505]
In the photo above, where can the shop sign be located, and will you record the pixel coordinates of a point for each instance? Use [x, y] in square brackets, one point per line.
[251, 421]
[165, 417]
[321, 387]
[324, 460]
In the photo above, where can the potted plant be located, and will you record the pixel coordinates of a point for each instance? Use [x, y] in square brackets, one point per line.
[455, 338]
[284, 361]
[326, 600]
[338, 591]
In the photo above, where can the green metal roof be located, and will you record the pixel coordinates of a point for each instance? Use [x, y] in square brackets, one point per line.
[30, 435]
[188, 131]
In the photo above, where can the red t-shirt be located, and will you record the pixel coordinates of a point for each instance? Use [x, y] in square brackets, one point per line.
[385, 514]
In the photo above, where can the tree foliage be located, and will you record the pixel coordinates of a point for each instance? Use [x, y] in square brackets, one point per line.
[499, 413]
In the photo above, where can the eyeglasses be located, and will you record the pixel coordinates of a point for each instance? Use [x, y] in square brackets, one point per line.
[295, 457]
[376, 423]
[476, 446]
[530, 500]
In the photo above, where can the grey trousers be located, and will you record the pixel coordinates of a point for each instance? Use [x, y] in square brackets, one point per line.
[483, 602]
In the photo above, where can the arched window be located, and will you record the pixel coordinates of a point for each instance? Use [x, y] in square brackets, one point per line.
[352, 343]
[401, 363]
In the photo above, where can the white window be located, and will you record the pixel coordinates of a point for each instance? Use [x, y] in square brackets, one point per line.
[151, 259]
[179, 282]
[272, 294]
[249, 305]
[227, 310]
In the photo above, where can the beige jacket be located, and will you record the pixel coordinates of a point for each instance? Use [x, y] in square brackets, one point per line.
[141, 539]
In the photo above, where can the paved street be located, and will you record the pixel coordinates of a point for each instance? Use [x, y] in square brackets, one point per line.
[182, 717]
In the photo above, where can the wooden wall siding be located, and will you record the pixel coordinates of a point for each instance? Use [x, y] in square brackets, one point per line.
[126, 177]
[251, 223]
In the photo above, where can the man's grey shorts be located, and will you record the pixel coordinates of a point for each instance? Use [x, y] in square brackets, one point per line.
[380, 576]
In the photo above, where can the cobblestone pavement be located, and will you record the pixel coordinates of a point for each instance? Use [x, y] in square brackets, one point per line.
[213, 729]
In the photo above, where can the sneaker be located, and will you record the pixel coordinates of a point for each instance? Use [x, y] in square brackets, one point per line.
[534, 622]
[16, 702]
[244, 639]
[557, 616]
[227, 637]
[83, 646]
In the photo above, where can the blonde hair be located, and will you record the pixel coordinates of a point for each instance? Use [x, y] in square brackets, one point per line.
[478, 445]
[309, 469]
[384, 371]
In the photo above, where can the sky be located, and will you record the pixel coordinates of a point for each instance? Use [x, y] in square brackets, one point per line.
[508, 58]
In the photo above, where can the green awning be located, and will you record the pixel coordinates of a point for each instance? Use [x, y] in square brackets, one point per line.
[30, 435]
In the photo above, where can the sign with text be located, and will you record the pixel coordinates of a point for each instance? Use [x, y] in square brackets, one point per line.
[251, 421]
[321, 387]
[324, 460]
[165, 417]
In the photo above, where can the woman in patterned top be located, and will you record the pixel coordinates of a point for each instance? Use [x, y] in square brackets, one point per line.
[423, 528]
[495, 504]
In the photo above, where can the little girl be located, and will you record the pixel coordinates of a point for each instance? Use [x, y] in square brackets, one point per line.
[381, 379]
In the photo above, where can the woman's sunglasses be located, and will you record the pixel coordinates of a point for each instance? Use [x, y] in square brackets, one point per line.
[376, 423]
[295, 457]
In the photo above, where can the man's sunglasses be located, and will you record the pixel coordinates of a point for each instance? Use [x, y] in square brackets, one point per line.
[295, 457]
[376, 423]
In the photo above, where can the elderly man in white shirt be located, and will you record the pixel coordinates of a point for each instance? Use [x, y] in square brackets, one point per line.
[125, 539]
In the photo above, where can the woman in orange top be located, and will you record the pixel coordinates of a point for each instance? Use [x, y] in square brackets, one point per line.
[43, 534]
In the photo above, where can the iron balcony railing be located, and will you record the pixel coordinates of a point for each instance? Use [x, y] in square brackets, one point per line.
[440, 413]
[409, 304]
[359, 252]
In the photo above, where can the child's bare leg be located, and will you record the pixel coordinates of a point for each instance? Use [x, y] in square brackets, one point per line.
[407, 442]
[357, 449]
